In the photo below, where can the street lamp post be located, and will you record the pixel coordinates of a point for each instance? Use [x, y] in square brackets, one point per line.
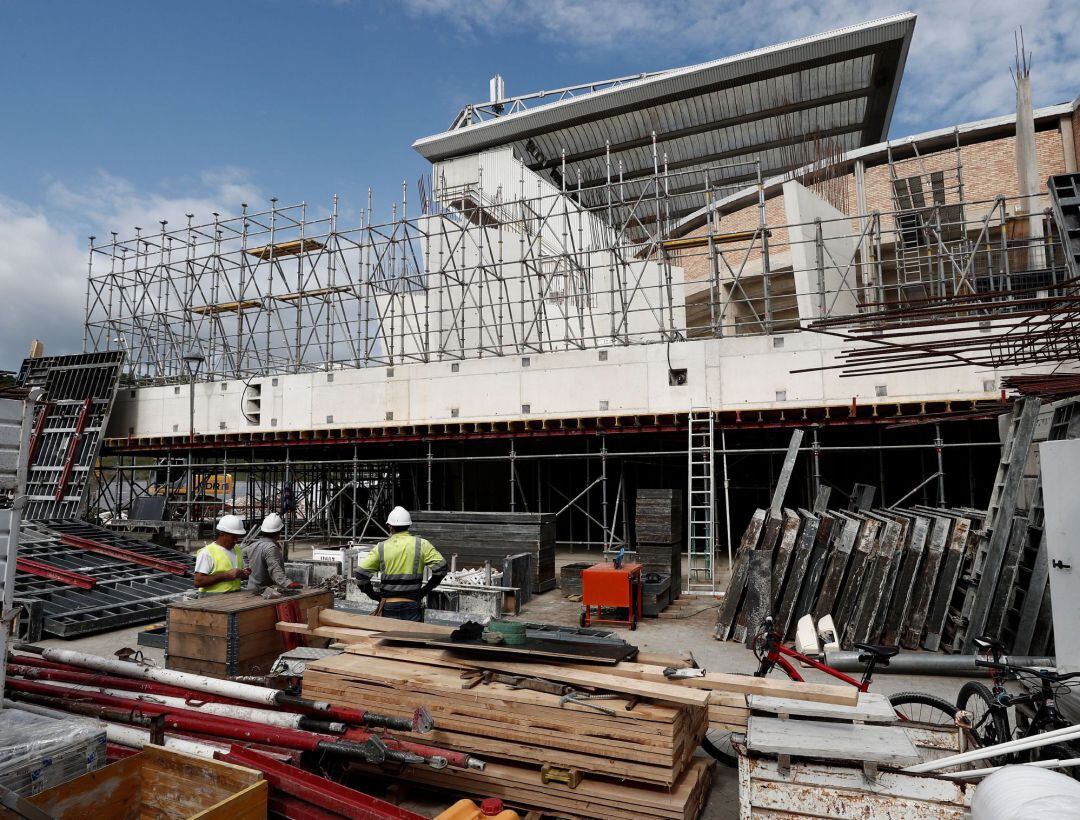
[192, 363]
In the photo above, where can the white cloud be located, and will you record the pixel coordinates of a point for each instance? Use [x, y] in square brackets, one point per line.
[45, 249]
[42, 273]
[958, 67]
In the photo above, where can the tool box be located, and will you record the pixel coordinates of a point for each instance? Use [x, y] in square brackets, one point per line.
[607, 586]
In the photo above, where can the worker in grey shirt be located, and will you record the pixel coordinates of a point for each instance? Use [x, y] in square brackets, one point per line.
[264, 560]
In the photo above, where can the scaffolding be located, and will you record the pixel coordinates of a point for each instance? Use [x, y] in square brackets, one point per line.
[493, 260]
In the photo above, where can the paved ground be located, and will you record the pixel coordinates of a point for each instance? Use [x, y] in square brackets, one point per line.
[692, 634]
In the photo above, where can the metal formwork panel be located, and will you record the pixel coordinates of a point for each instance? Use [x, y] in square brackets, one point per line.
[69, 425]
[125, 593]
[14, 435]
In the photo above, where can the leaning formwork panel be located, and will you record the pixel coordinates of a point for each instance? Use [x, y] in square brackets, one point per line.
[15, 416]
[69, 423]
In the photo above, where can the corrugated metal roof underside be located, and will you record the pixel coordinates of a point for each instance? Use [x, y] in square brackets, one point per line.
[779, 105]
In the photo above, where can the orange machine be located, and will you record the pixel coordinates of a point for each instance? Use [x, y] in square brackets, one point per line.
[607, 585]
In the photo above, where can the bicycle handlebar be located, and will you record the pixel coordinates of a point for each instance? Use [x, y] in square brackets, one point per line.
[1045, 674]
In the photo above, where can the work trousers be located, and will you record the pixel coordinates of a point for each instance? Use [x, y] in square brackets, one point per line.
[403, 610]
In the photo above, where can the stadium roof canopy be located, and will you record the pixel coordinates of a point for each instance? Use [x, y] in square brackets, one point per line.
[832, 92]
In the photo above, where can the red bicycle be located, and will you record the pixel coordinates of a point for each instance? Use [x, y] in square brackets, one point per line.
[768, 646]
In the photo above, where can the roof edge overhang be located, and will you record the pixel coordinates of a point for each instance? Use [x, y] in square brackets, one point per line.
[703, 76]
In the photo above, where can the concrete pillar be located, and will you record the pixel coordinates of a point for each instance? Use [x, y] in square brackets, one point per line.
[1027, 167]
[1068, 144]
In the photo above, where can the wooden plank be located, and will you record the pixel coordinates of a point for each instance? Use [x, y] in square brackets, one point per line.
[845, 783]
[871, 708]
[352, 620]
[887, 745]
[590, 676]
[922, 591]
[844, 532]
[761, 577]
[950, 574]
[786, 469]
[874, 589]
[363, 664]
[792, 531]
[740, 684]
[857, 566]
[725, 619]
[805, 594]
[787, 593]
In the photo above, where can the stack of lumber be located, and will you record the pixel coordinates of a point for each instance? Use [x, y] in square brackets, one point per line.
[658, 530]
[230, 634]
[476, 537]
[634, 762]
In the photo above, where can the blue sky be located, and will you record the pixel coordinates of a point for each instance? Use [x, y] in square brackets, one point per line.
[119, 113]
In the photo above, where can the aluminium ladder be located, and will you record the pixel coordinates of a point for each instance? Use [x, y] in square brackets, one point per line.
[701, 505]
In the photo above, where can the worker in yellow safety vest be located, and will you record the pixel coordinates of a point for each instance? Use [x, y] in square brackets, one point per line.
[219, 566]
[401, 560]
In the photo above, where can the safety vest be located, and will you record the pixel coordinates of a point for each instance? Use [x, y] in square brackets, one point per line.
[223, 563]
[403, 575]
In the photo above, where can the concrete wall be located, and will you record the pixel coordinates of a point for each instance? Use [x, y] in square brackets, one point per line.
[749, 372]
[838, 268]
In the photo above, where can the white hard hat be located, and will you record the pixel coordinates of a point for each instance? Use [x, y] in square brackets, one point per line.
[272, 523]
[399, 517]
[232, 524]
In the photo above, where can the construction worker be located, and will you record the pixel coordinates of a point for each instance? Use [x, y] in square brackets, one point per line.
[264, 559]
[401, 559]
[219, 566]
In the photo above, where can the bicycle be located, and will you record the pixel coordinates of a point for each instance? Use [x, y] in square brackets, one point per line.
[768, 646]
[1036, 711]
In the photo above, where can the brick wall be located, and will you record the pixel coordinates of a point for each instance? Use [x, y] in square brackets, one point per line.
[988, 170]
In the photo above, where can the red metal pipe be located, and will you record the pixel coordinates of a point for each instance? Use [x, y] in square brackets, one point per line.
[73, 449]
[186, 720]
[458, 760]
[21, 665]
[311, 788]
[90, 545]
[84, 678]
[63, 576]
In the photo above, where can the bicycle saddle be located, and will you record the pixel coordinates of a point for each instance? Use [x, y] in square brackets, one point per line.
[882, 653]
[990, 643]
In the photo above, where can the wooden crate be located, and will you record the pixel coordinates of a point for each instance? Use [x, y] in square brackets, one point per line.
[230, 634]
[159, 783]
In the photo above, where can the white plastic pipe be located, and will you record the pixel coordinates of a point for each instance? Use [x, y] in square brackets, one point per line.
[201, 683]
[1041, 764]
[286, 720]
[1019, 745]
[125, 735]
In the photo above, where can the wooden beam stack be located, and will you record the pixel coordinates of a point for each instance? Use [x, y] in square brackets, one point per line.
[635, 754]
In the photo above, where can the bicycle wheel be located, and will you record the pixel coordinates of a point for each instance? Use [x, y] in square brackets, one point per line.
[920, 707]
[989, 724]
[717, 742]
